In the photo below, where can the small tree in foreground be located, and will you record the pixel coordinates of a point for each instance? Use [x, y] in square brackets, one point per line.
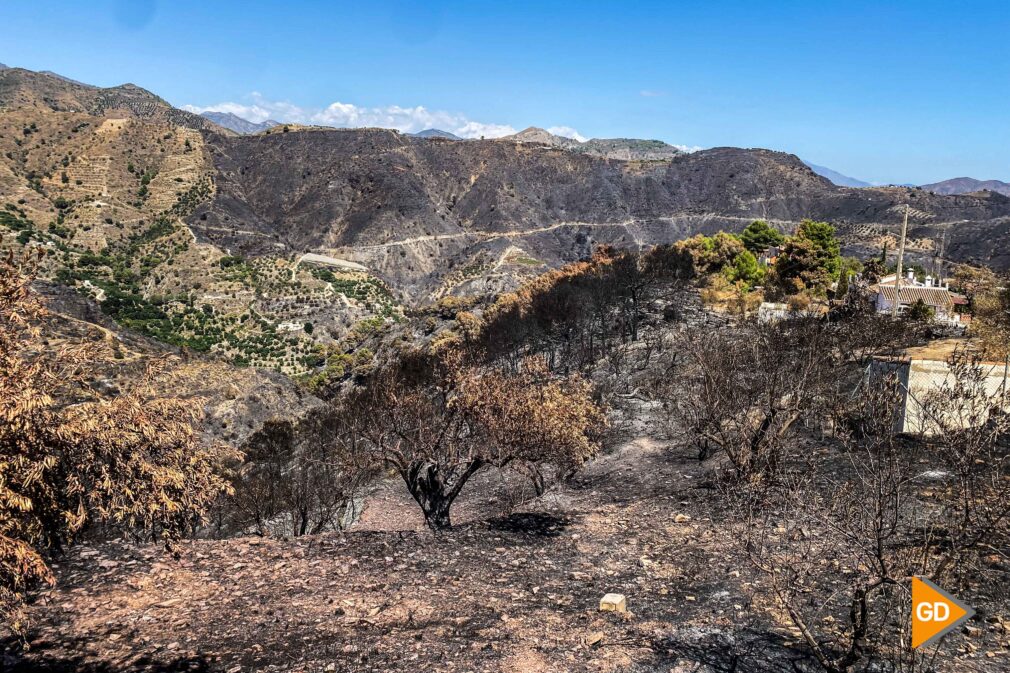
[68, 459]
[437, 420]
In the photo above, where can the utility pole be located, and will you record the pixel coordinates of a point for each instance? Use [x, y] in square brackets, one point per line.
[901, 254]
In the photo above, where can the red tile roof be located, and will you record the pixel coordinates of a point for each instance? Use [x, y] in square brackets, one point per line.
[930, 296]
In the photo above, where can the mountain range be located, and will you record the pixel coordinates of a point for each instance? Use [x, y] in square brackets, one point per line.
[169, 211]
[968, 185]
[628, 149]
[835, 177]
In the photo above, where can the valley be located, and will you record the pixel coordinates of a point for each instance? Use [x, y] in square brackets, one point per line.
[287, 397]
[85, 172]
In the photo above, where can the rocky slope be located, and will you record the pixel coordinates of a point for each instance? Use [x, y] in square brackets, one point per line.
[515, 593]
[21, 88]
[237, 401]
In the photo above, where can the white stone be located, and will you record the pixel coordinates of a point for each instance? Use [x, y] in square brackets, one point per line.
[614, 603]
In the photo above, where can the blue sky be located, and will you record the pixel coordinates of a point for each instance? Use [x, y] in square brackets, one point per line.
[885, 92]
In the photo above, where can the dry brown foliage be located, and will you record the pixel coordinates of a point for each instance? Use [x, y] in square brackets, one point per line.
[437, 419]
[68, 458]
[991, 326]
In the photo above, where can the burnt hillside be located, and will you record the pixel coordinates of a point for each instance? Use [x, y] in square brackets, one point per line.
[415, 208]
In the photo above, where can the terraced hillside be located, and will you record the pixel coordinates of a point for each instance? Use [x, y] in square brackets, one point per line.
[102, 183]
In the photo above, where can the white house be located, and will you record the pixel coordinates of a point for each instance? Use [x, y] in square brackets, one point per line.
[930, 292]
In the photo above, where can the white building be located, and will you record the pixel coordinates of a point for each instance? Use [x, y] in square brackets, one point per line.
[930, 292]
[928, 383]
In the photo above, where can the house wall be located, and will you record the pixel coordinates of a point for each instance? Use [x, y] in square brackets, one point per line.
[885, 306]
[923, 380]
[928, 379]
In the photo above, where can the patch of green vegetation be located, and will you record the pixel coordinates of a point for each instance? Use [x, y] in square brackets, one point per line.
[352, 356]
[528, 261]
[14, 218]
[474, 270]
[119, 272]
[367, 289]
[191, 198]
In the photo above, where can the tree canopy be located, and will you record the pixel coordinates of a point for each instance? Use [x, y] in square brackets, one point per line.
[810, 258]
[437, 419]
[758, 236]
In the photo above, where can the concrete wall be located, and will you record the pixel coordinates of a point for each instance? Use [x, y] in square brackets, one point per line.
[923, 381]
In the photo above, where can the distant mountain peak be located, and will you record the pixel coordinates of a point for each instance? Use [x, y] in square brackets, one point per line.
[626, 149]
[436, 133]
[535, 134]
[237, 124]
[965, 185]
[835, 177]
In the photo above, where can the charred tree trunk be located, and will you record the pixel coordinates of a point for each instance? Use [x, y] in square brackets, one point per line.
[434, 494]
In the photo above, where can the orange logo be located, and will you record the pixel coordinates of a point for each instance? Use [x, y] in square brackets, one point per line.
[934, 612]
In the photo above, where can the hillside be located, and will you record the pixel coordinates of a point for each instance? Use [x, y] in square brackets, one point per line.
[21, 88]
[514, 593]
[273, 249]
[104, 185]
[440, 217]
[511, 590]
[237, 401]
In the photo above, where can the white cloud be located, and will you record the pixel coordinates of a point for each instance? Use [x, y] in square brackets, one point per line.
[689, 148]
[478, 130]
[567, 132]
[651, 93]
[405, 119]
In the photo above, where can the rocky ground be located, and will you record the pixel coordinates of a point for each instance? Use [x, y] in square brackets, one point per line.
[506, 593]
